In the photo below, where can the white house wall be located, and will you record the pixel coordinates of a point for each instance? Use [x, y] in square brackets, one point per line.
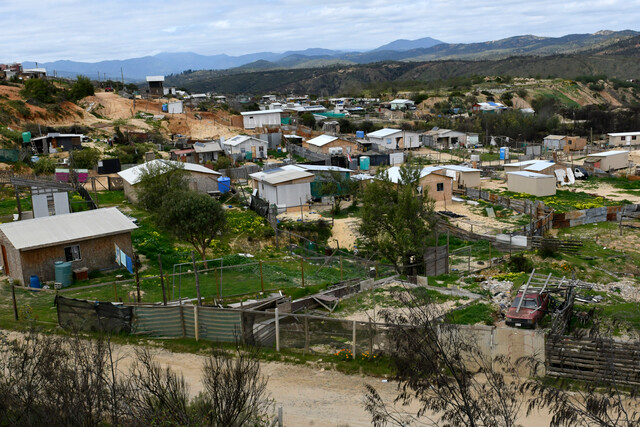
[259, 120]
[292, 194]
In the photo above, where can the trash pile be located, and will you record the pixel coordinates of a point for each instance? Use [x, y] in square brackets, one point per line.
[500, 291]
[626, 289]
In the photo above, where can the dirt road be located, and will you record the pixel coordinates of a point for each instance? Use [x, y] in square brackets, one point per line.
[309, 395]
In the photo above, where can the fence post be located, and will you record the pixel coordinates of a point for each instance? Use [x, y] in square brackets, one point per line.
[280, 418]
[302, 269]
[215, 278]
[15, 303]
[196, 326]
[353, 340]
[184, 330]
[490, 256]
[306, 332]
[341, 268]
[277, 330]
[469, 261]
[195, 273]
[370, 338]
[135, 263]
[261, 277]
[164, 294]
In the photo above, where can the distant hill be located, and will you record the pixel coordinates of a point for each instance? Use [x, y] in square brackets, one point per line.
[402, 45]
[420, 50]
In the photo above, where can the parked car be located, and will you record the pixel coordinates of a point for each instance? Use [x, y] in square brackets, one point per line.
[533, 308]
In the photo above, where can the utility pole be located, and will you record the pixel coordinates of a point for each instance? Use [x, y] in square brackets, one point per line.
[122, 76]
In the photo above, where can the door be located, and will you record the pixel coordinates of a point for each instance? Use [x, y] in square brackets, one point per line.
[5, 263]
[253, 152]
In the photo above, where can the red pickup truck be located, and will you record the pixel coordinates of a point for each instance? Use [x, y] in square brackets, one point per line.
[533, 308]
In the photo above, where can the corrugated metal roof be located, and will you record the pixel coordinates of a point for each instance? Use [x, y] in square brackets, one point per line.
[207, 147]
[280, 175]
[459, 168]
[239, 139]
[321, 140]
[133, 175]
[58, 229]
[316, 168]
[539, 166]
[394, 173]
[555, 137]
[155, 78]
[254, 113]
[524, 163]
[608, 153]
[383, 132]
[530, 174]
[624, 134]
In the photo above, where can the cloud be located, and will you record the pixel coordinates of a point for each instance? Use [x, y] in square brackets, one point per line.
[89, 30]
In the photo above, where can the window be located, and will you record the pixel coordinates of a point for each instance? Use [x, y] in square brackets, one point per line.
[440, 186]
[72, 253]
[633, 137]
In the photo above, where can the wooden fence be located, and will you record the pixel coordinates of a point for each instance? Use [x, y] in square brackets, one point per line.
[600, 360]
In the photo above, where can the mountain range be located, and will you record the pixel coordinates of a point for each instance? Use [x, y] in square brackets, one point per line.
[424, 49]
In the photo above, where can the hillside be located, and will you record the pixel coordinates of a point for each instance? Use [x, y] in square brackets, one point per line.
[100, 114]
[343, 79]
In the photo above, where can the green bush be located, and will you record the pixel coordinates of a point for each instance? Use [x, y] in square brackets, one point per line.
[44, 166]
[87, 158]
[81, 88]
[40, 90]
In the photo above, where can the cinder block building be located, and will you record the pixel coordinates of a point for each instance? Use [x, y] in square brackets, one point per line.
[86, 239]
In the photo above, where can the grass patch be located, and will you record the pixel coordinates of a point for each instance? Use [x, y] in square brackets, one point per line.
[567, 201]
[474, 313]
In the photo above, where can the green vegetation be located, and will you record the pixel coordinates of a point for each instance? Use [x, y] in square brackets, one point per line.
[40, 90]
[566, 201]
[80, 88]
[472, 314]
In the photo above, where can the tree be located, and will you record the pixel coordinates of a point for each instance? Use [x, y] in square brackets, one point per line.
[396, 220]
[81, 87]
[86, 158]
[158, 181]
[193, 217]
[442, 368]
[308, 120]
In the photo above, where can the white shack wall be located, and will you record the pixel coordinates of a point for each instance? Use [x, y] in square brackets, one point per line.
[292, 194]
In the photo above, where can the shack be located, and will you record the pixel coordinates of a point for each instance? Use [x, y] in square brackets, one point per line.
[463, 176]
[285, 188]
[433, 182]
[244, 147]
[85, 239]
[328, 144]
[532, 183]
[258, 119]
[54, 141]
[156, 86]
[394, 139]
[608, 160]
[201, 179]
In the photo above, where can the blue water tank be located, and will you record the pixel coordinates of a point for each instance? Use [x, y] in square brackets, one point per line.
[364, 163]
[34, 281]
[63, 273]
[165, 108]
[359, 134]
[224, 184]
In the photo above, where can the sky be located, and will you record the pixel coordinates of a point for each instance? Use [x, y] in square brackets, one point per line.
[95, 30]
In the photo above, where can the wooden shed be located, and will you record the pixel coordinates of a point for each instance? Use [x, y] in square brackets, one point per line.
[328, 144]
